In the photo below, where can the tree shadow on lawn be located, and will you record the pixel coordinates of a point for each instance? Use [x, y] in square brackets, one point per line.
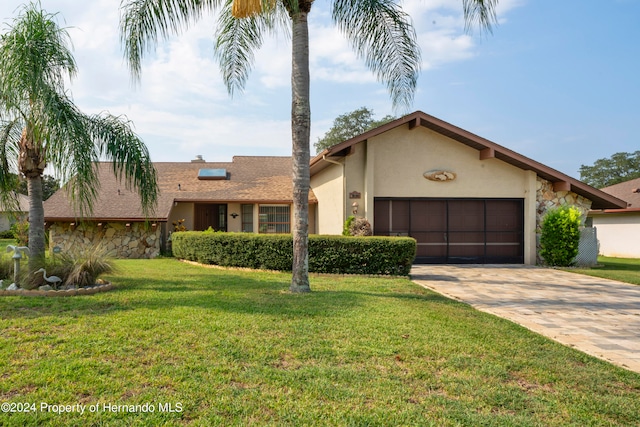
[225, 292]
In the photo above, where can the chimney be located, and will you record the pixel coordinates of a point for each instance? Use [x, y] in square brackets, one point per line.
[198, 159]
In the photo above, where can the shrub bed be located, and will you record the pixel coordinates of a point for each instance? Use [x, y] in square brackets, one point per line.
[327, 254]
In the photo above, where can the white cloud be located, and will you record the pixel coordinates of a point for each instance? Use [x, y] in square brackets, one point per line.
[181, 107]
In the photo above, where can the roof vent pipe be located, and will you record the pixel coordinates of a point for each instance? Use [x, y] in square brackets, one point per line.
[198, 159]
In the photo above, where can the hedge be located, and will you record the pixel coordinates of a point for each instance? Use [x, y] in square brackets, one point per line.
[327, 254]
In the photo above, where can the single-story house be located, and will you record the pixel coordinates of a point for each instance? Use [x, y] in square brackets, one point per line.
[9, 215]
[250, 194]
[462, 197]
[618, 230]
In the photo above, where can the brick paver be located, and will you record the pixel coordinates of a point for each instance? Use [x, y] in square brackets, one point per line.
[597, 316]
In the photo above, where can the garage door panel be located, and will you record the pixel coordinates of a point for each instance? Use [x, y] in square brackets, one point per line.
[465, 215]
[458, 230]
[429, 215]
[504, 215]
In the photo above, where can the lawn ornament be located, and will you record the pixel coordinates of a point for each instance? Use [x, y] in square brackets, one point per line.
[53, 280]
[18, 252]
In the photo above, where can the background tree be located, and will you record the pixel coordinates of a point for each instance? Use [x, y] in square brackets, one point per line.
[349, 125]
[50, 185]
[378, 30]
[40, 126]
[618, 168]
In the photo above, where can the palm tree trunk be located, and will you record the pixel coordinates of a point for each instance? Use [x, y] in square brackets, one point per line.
[300, 129]
[36, 223]
[32, 164]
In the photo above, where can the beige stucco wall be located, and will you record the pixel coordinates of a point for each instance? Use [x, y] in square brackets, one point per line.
[328, 186]
[392, 165]
[234, 224]
[618, 234]
[401, 157]
[180, 211]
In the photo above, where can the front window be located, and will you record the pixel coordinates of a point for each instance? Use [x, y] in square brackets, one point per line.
[275, 219]
[247, 218]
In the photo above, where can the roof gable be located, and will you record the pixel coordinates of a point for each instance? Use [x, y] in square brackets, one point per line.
[486, 149]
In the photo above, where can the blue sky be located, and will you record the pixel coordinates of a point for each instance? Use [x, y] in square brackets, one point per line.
[557, 81]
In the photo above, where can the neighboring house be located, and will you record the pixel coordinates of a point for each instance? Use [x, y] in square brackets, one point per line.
[8, 215]
[618, 230]
[462, 197]
[251, 194]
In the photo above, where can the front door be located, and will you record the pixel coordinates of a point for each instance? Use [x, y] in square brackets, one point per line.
[210, 215]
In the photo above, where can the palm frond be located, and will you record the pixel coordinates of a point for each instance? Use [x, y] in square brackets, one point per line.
[382, 34]
[70, 150]
[144, 22]
[480, 12]
[10, 132]
[36, 56]
[129, 155]
[238, 38]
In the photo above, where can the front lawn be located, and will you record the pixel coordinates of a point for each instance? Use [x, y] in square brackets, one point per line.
[621, 269]
[226, 347]
[4, 243]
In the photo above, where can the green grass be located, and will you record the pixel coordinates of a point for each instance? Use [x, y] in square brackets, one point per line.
[621, 269]
[236, 348]
[4, 243]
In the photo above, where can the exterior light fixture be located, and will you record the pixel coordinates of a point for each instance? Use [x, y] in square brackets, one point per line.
[234, 215]
[354, 207]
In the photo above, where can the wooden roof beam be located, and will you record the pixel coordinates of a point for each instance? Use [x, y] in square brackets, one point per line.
[414, 123]
[487, 153]
[562, 186]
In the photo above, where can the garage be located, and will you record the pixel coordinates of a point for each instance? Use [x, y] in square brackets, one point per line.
[456, 231]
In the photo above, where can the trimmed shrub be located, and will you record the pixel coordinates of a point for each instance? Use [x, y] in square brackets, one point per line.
[560, 236]
[327, 254]
[6, 234]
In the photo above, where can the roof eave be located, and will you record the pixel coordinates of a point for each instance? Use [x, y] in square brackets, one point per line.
[600, 199]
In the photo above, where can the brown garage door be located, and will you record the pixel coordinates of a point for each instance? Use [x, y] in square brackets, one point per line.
[456, 231]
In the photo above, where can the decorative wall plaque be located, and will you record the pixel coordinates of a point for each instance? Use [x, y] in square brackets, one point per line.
[439, 175]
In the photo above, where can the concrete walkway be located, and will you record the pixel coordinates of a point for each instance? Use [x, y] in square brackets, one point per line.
[597, 316]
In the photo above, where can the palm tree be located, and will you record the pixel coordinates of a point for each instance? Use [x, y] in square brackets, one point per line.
[379, 31]
[40, 126]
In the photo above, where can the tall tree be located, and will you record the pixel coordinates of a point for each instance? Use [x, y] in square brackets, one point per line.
[618, 168]
[40, 125]
[50, 185]
[378, 30]
[349, 125]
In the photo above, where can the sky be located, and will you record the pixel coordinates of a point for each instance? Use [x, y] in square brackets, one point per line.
[556, 81]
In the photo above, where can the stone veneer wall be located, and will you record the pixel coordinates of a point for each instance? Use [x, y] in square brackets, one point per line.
[547, 199]
[139, 240]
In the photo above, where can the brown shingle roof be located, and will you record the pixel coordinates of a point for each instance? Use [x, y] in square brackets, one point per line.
[250, 179]
[628, 191]
[23, 203]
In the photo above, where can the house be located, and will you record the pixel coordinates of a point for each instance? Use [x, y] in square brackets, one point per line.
[250, 194]
[8, 215]
[619, 229]
[462, 197]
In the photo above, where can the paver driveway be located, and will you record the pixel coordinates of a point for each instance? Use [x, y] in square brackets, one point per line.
[597, 316]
